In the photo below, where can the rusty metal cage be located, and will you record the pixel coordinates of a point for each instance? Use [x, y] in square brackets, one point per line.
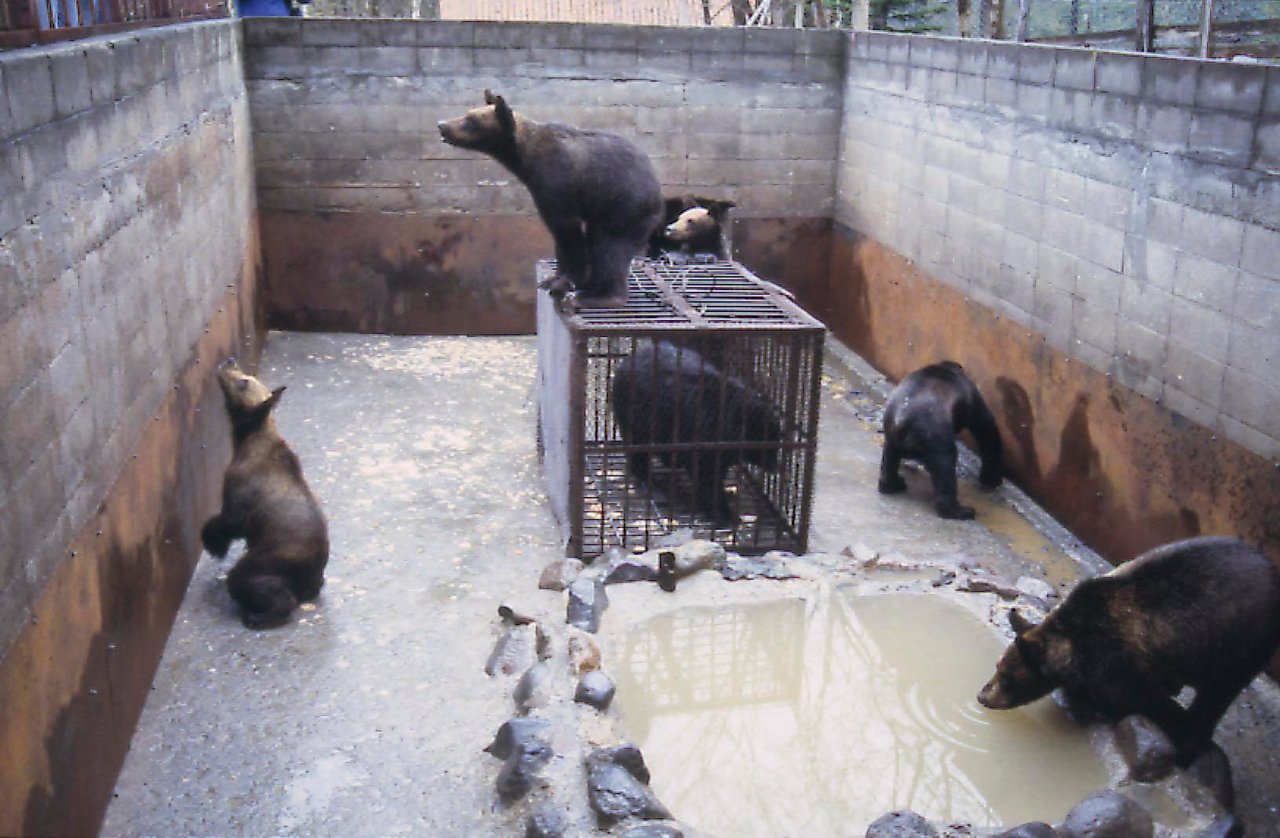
[694, 409]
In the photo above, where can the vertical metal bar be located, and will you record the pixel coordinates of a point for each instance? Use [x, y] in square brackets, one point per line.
[577, 465]
[1144, 39]
[1020, 29]
[1205, 45]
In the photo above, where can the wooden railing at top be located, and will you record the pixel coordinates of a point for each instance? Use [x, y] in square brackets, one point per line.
[26, 22]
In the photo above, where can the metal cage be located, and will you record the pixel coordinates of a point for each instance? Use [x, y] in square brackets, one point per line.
[693, 409]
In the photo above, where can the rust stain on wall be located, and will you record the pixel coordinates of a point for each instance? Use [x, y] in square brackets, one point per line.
[1122, 472]
[74, 682]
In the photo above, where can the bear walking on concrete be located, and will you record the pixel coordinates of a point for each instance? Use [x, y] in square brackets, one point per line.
[924, 415]
[665, 393]
[597, 192]
[691, 228]
[265, 501]
[1203, 612]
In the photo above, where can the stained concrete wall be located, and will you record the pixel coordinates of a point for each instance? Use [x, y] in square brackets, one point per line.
[128, 255]
[1097, 235]
[371, 222]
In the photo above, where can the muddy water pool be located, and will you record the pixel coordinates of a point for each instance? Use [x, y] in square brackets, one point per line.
[814, 716]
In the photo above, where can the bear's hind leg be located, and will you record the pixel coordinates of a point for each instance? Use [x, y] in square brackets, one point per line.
[606, 285]
[941, 464]
[217, 535]
[571, 258]
[1202, 717]
[266, 600]
[891, 481]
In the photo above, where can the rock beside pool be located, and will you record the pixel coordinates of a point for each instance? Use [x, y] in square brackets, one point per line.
[587, 602]
[1107, 814]
[514, 651]
[861, 553]
[986, 585]
[654, 830]
[1036, 588]
[1036, 829]
[584, 651]
[1213, 771]
[545, 822]
[615, 794]
[744, 567]
[516, 731]
[629, 757]
[901, 824]
[631, 569]
[1145, 748]
[534, 687]
[516, 777]
[559, 575]
[595, 689]
[696, 555]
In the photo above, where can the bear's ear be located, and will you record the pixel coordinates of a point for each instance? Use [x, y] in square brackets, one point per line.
[1020, 624]
[505, 118]
[270, 402]
[488, 96]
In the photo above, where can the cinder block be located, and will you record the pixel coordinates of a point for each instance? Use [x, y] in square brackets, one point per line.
[767, 63]
[1119, 73]
[30, 426]
[1241, 434]
[388, 61]
[1035, 64]
[446, 33]
[1163, 220]
[389, 33]
[1170, 80]
[71, 90]
[328, 32]
[1201, 329]
[1221, 137]
[1095, 326]
[1034, 101]
[1214, 236]
[1251, 400]
[1257, 302]
[450, 60]
[29, 89]
[770, 40]
[1203, 414]
[1099, 287]
[1073, 69]
[1141, 352]
[1231, 86]
[1268, 144]
[829, 43]
[1205, 282]
[1164, 127]
[972, 57]
[1145, 305]
[1002, 61]
[279, 31]
[1115, 117]
[1261, 254]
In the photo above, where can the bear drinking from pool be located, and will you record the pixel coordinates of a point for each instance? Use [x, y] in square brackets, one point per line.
[1204, 613]
[596, 191]
[666, 393]
[924, 414]
[265, 501]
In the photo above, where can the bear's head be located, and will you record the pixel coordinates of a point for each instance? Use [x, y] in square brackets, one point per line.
[1028, 668]
[249, 401]
[691, 224]
[490, 129]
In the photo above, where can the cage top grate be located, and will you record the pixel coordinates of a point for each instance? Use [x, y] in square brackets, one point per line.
[664, 295]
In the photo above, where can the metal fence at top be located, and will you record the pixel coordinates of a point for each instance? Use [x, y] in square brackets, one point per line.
[25, 22]
[643, 12]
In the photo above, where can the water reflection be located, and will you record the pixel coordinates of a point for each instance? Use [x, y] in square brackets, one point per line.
[813, 717]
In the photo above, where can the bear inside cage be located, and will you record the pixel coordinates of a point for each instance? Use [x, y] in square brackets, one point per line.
[686, 420]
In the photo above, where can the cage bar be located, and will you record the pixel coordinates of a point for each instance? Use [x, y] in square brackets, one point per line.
[691, 411]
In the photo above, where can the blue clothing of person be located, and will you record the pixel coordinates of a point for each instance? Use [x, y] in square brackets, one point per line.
[263, 8]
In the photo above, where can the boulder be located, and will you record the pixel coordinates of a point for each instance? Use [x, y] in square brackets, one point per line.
[595, 689]
[1145, 748]
[559, 575]
[901, 824]
[587, 602]
[1107, 814]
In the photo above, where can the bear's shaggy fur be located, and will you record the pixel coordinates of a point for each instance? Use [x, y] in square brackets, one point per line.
[596, 191]
[665, 393]
[691, 227]
[922, 419]
[1203, 612]
[265, 501]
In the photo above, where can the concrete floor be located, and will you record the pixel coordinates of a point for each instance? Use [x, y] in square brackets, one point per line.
[367, 714]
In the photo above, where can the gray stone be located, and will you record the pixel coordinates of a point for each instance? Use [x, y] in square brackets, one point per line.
[983, 585]
[559, 575]
[515, 732]
[1212, 770]
[534, 687]
[631, 570]
[629, 757]
[1036, 829]
[595, 689]
[514, 651]
[901, 824]
[1224, 827]
[654, 830]
[587, 602]
[698, 555]
[746, 567]
[861, 553]
[546, 821]
[516, 777]
[1038, 588]
[1107, 814]
[1145, 748]
[615, 794]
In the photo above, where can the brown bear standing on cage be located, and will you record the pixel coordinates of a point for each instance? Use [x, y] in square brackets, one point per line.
[665, 393]
[691, 228]
[596, 191]
[1203, 612]
[922, 418]
[265, 501]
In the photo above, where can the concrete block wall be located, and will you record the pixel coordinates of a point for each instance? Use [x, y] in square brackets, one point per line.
[1124, 207]
[128, 252]
[345, 114]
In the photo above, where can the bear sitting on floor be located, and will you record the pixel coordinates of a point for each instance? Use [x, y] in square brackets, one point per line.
[691, 228]
[597, 192]
[265, 501]
[664, 393]
[1203, 612]
[922, 418]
